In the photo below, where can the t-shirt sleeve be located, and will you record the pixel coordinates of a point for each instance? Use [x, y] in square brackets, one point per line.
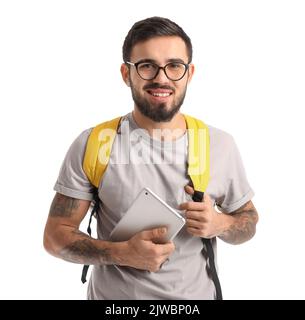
[72, 180]
[237, 189]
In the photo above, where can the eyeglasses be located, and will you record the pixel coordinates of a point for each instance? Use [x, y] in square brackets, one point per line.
[148, 70]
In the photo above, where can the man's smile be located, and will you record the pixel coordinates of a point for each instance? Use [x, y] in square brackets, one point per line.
[160, 95]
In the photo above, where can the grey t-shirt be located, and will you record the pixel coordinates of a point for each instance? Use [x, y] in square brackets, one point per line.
[138, 161]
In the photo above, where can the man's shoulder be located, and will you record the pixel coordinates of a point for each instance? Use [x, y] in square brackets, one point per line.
[214, 131]
[83, 136]
[218, 134]
[220, 138]
[80, 141]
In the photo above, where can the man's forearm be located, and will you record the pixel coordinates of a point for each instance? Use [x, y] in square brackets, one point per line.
[86, 250]
[240, 226]
[63, 239]
[80, 248]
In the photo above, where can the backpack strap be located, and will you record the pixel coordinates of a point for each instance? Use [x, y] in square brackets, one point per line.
[198, 154]
[199, 172]
[98, 150]
[93, 213]
[95, 162]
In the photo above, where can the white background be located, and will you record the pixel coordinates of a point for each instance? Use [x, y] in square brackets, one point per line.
[59, 74]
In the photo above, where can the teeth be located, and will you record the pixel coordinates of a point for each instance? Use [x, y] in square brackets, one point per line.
[161, 94]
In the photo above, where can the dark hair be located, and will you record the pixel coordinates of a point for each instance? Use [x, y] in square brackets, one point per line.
[154, 27]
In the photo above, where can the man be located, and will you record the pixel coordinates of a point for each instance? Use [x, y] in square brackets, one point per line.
[157, 67]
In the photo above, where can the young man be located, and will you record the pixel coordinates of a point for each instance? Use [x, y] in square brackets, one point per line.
[157, 67]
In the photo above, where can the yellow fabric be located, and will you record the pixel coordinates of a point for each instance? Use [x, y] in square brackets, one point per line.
[102, 137]
[198, 153]
[98, 150]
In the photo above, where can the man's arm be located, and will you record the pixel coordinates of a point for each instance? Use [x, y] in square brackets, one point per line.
[63, 239]
[240, 225]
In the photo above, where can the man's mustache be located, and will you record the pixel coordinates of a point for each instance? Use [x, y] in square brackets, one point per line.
[157, 86]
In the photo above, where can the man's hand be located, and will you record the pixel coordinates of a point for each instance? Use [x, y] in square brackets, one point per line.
[63, 239]
[202, 220]
[143, 252]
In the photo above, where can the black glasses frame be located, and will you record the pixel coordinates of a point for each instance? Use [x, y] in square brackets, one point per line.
[186, 65]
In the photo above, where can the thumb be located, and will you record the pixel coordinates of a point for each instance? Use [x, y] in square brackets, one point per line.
[188, 189]
[153, 233]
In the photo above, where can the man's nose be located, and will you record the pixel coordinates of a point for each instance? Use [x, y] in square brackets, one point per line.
[161, 76]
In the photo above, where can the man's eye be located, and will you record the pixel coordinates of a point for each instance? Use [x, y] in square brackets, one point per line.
[146, 66]
[175, 65]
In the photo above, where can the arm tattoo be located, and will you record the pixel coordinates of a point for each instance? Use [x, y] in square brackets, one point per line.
[63, 206]
[244, 226]
[76, 246]
[85, 252]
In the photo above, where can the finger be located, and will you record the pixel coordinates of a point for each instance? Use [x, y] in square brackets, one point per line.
[165, 249]
[188, 189]
[191, 205]
[195, 215]
[153, 233]
[194, 231]
[191, 223]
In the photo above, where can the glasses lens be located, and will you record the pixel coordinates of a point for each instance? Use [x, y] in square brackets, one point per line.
[175, 70]
[147, 70]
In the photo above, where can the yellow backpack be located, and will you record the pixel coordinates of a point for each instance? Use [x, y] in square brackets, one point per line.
[102, 137]
[97, 155]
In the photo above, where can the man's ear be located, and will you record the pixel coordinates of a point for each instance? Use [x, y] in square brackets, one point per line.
[125, 74]
[191, 71]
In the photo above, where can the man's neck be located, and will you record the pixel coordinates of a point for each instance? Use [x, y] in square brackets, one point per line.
[171, 130]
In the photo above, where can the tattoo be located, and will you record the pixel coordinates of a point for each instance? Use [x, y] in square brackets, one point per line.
[244, 226]
[63, 206]
[80, 233]
[85, 252]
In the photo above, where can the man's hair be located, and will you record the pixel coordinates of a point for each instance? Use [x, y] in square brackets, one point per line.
[154, 27]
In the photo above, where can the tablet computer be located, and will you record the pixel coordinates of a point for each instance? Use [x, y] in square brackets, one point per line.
[148, 211]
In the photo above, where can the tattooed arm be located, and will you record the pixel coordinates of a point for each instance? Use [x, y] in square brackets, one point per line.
[240, 225]
[63, 239]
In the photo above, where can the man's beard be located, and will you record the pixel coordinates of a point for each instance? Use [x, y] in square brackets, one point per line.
[157, 113]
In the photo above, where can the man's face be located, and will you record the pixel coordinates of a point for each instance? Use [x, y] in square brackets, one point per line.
[161, 98]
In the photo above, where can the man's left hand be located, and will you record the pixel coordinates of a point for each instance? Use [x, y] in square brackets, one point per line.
[202, 220]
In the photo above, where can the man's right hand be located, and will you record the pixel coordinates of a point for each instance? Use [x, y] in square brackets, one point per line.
[143, 252]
